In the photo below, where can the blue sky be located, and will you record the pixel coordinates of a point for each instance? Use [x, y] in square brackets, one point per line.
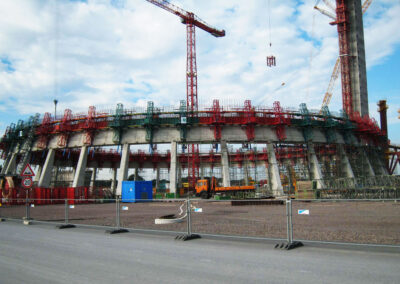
[101, 52]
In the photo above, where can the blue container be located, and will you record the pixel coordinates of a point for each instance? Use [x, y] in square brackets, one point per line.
[137, 191]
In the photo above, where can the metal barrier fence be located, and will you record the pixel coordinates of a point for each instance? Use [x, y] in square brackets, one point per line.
[374, 222]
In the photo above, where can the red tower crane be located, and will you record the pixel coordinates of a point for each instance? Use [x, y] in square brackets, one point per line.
[343, 27]
[191, 21]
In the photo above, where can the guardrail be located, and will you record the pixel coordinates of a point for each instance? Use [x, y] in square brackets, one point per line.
[369, 222]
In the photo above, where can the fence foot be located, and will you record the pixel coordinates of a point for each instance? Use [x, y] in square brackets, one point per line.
[2, 220]
[66, 226]
[187, 237]
[289, 246]
[26, 221]
[117, 231]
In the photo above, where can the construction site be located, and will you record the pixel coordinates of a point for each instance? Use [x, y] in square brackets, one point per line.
[214, 151]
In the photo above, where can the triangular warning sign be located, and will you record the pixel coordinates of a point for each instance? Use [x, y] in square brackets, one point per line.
[27, 172]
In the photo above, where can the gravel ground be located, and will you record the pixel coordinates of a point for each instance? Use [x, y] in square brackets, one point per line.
[359, 222]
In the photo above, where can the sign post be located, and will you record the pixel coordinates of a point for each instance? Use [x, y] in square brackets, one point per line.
[27, 183]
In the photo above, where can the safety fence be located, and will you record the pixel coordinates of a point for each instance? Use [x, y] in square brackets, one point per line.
[54, 195]
[373, 222]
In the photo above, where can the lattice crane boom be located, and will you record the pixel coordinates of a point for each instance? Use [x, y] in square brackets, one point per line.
[329, 91]
[187, 17]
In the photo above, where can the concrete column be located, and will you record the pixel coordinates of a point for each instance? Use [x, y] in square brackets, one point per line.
[93, 178]
[315, 168]
[246, 173]
[157, 177]
[114, 181]
[366, 163]
[123, 168]
[136, 173]
[276, 184]
[268, 175]
[57, 170]
[5, 164]
[45, 177]
[38, 173]
[79, 177]
[345, 163]
[225, 165]
[12, 164]
[173, 168]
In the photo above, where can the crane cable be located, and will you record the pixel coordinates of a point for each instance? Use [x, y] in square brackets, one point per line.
[311, 55]
[269, 23]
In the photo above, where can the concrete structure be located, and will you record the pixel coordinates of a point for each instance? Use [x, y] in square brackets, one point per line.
[173, 169]
[79, 177]
[275, 179]
[123, 168]
[357, 63]
[226, 181]
[45, 177]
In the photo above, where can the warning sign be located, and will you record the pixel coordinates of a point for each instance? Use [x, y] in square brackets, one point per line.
[27, 182]
[27, 172]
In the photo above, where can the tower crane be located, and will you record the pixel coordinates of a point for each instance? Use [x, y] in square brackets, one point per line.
[191, 21]
[336, 69]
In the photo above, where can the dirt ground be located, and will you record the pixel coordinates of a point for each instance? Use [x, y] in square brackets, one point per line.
[359, 222]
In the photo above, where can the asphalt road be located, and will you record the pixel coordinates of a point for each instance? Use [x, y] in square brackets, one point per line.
[44, 254]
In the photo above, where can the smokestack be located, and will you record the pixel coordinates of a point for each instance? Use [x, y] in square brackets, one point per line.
[383, 113]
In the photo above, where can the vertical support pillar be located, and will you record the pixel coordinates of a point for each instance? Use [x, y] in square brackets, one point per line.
[246, 173]
[5, 165]
[57, 170]
[173, 168]
[268, 175]
[225, 165]
[136, 173]
[114, 181]
[12, 164]
[315, 168]
[366, 163]
[345, 163]
[157, 177]
[38, 173]
[79, 178]
[382, 168]
[276, 184]
[93, 178]
[123, 168]
[45, 177]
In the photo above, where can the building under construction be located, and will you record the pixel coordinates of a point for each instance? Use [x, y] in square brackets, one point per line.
[274, 147]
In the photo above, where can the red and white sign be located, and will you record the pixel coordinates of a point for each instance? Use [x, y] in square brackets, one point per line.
[27, 172]
[27, 182]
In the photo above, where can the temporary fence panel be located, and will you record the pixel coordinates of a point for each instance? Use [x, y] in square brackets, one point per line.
[245, 218]
[87, 212]
[144, 215]
[364, 222]
[46, 212]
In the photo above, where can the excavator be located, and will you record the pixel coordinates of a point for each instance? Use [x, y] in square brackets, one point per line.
[206, 188]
